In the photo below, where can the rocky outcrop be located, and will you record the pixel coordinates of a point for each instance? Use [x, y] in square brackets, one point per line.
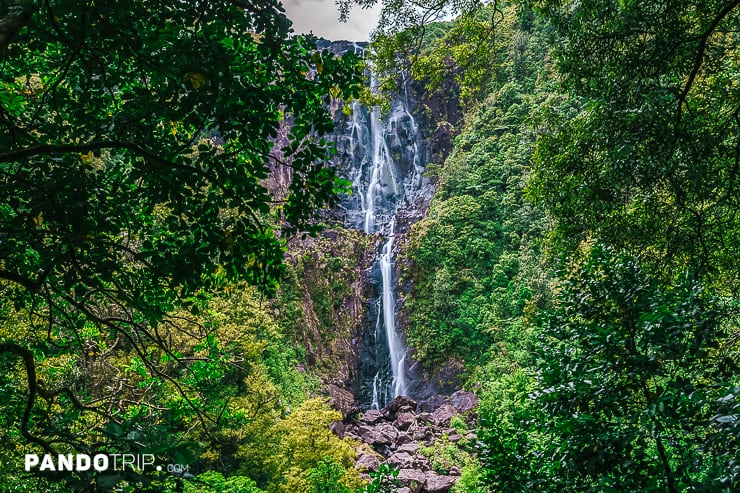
[401, 432]
[324, 301]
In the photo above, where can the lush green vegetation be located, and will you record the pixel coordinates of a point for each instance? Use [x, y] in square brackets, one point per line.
[135, 224]
[580, 256]
[580, 253]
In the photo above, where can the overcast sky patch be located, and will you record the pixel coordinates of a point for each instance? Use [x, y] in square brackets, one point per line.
[322, 18]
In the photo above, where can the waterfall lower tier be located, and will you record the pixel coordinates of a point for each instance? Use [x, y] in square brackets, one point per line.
[390, 352]
[396, 348]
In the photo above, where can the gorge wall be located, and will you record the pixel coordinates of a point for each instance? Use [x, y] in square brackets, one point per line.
[347, 285]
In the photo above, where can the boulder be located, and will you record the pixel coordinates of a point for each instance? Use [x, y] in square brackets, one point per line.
[444, 414]
[436, 483]
[396, 404]
[373, 436]
[402, 460]
[410, 448]
[454, 438]
[371, 417]
[464, 401]
[412, 479]
[404, 420]
[367, 462]
[403, 438]
[388, 431]
[423, 434]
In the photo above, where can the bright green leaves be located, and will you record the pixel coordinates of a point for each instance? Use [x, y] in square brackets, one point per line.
[136, 145]
[476, 261]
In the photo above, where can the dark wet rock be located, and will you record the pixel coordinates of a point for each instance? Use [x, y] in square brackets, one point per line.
[340, 47]
[396, 405]
[442, 382]
[432, 403]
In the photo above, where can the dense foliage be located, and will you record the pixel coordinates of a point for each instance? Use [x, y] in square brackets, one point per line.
[579, 258]
[580, 252]
[478, 251]
[136, 140]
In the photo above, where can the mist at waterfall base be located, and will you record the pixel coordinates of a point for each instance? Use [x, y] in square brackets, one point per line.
[383, 155]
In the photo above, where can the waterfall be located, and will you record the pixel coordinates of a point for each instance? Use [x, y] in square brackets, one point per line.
[396, 347]
[383, 158]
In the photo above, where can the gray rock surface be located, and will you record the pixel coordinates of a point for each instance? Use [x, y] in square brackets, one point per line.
[413, 479]
[396, 433]
[437, 483]
[464, 401]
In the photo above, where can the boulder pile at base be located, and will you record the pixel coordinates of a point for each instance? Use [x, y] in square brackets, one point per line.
[397, 434]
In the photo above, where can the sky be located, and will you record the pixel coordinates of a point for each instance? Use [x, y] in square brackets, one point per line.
[322, 18]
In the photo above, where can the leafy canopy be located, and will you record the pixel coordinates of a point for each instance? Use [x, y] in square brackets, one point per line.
[135, 142]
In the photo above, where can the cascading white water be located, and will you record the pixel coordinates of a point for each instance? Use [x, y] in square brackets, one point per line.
[396, 347]
[384, 160]
[375, 404]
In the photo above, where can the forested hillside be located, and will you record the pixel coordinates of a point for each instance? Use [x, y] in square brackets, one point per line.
[183, 279]
[579, 254]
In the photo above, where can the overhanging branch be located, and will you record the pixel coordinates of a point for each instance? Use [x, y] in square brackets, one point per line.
[40, 150]
[701, 50]
[28, 361]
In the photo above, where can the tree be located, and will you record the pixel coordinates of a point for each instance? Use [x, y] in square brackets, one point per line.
[645, 156]
[135, 141]
[642, 160]
[632, 373]
[307, 453]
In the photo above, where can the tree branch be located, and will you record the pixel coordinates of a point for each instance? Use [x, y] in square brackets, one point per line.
[23, 281]
[28, 361]
[699, 60]
[36, 150]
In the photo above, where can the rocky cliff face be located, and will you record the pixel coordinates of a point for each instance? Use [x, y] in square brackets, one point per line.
[324, 299]
[336, 282]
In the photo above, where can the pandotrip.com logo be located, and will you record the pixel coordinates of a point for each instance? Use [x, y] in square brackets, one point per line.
[99, 462]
